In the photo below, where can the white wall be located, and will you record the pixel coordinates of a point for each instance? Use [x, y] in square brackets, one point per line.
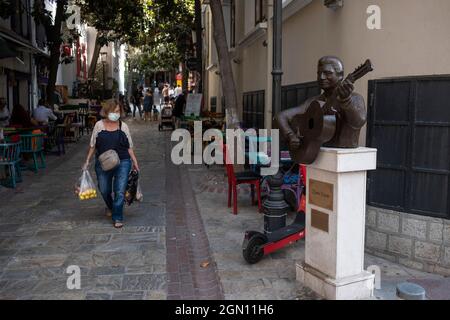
[254, 66]
[122, 61]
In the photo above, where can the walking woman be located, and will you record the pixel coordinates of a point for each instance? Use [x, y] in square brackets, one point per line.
[148, 103]
[112, 134]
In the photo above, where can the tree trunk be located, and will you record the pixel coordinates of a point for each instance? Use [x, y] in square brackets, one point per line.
[226, 71]
[185, 75]
[95, 55]
[55, 50]
[199, 45]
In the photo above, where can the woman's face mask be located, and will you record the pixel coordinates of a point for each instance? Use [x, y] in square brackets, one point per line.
[113, 116]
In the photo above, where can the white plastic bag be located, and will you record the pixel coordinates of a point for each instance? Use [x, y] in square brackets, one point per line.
[139, 195]
[86, 188]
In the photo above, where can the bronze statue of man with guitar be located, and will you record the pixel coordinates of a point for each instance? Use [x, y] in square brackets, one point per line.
[332, 119]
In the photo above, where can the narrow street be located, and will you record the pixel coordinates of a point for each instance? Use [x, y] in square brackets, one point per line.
[45, 228]
[336, 96]
[181, 242]
[163, 252]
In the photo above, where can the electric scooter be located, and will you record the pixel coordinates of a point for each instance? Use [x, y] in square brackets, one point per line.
[276, 234]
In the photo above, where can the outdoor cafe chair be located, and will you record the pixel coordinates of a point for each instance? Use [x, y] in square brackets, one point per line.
[72, 131]
[34, 144]
[244, 177]
[10, 158]
[55, 138]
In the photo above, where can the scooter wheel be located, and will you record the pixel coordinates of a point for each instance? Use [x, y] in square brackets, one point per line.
[254, 252]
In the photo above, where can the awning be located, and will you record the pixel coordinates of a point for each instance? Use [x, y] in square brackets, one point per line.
[6, 51]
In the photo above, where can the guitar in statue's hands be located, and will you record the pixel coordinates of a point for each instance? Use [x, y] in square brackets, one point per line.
[317, 123]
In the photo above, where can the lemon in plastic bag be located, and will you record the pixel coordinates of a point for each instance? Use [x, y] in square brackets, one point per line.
[86, 188]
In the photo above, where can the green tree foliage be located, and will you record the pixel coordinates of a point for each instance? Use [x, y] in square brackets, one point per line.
[114, 20]
[121, 20]
[166, 35]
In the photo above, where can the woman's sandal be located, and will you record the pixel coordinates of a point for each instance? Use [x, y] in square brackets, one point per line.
[108, 213]
[118, 224]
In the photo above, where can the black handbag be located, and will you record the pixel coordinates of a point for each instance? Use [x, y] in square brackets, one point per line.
[132, 187]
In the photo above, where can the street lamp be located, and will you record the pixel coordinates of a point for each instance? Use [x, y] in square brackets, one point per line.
[104, 56]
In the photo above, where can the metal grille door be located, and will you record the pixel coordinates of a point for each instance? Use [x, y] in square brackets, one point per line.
[409, 124]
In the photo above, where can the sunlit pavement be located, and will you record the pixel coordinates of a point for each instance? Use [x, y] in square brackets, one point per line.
[275, 276]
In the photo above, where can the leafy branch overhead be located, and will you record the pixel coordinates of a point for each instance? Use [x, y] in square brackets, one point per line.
[159, 28]
[166, 34]
[121, 20]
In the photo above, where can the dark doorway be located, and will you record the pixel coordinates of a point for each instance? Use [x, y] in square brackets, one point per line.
[409, 124]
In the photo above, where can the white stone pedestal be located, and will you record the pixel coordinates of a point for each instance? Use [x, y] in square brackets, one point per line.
[335, 224]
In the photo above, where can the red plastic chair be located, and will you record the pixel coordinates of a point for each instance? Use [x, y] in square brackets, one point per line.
[245, 177]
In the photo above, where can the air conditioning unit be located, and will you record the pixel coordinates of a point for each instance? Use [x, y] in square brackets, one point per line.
[334, 4]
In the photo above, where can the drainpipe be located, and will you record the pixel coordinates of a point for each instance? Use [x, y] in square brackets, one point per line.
[275, 207]
[268, 116]
[199, 44]
[277, 71]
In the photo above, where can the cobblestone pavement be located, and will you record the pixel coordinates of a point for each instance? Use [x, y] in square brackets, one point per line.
[275, 277]
[182, 242]
[44, 228]
[191, 269]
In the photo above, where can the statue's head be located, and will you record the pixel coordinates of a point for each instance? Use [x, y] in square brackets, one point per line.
[330, 72]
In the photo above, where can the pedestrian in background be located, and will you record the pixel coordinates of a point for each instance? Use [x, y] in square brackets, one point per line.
[178, 110]
[42, 114]
[178, 91]
[21, 117]
[138, 95]
[155, 113]
[148, 103]
[165, 91]
[112, 134]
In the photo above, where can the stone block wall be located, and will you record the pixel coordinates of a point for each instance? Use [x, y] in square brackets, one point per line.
[414, 241]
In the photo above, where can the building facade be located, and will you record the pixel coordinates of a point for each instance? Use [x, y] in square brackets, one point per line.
[74, 74]
[23, 71]
[408, 216]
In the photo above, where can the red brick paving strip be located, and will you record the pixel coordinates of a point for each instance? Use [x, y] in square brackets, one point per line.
[186, 241]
